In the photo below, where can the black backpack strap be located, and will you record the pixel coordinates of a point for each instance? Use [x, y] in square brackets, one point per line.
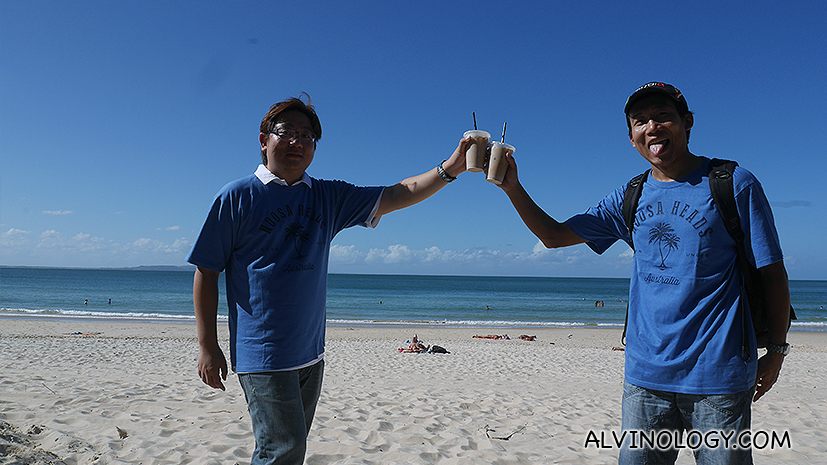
[630, 201]
[723, 194]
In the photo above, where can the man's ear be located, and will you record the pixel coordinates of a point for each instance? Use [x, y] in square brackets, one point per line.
[262, 138]
[688, 120]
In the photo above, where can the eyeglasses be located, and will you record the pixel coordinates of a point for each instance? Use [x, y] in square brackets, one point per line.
[305, 137]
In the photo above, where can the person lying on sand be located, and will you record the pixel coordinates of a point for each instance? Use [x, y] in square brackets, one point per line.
[492, 336]
[416, 347]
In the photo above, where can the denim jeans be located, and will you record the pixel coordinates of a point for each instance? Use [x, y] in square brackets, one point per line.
[709, 425]
[281, 406]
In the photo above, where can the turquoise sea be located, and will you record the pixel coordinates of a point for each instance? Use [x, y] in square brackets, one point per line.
[161, 295]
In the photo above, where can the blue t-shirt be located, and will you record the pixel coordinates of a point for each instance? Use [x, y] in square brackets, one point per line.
[685, 329]
[273, 242]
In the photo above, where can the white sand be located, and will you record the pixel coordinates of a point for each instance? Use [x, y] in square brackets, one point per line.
[65, 396]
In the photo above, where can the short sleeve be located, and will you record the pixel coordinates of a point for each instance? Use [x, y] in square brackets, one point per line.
[601, 225]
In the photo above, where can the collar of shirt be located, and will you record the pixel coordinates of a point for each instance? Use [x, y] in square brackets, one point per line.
[266, 177]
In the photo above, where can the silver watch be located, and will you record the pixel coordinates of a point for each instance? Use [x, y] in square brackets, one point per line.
[783, 349]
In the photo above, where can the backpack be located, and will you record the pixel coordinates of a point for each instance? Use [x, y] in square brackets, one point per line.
[723, 193]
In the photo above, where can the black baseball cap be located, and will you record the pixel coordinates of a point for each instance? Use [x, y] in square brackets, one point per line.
[657, 88]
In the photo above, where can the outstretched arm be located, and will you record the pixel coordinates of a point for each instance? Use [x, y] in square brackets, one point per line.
[777, 297]
[551, 232]
[418, 188]
[212, 366]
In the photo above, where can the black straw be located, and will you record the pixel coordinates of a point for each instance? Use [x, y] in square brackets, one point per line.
[475, 120]
[503, 139]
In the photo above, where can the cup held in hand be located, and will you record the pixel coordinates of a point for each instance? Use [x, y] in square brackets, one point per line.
[497, 164]
[476, 152]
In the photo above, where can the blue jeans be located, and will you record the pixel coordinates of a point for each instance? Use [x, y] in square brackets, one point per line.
[282, 405]
[709, 425]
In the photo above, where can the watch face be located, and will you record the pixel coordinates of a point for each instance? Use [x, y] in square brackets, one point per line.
[783, 350]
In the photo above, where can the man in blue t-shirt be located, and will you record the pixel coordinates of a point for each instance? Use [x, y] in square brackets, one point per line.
[686, 369]
[270, 232]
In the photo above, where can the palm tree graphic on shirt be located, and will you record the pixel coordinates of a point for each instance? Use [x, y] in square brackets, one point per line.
[299, 236]
[667, 241]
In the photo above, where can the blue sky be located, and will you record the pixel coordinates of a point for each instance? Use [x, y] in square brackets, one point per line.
[119, 121]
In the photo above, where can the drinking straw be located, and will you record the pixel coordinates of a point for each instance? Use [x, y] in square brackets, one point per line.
[503, 139]
[475, 120]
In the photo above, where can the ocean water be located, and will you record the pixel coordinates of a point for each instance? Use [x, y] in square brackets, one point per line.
[354, 299]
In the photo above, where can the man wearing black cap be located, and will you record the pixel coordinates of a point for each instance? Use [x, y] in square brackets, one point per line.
[685, 369]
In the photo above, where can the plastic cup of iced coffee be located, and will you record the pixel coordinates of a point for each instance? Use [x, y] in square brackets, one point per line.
[497, 164]
[477, 150]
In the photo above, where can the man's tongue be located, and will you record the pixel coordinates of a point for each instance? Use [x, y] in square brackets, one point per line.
[656, 149]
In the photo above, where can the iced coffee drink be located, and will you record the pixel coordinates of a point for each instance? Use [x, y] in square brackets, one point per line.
[476, 152]
[497, 164]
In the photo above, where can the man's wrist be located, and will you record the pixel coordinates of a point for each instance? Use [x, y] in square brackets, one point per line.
[443, 173]
[452, 168]
[782, 349]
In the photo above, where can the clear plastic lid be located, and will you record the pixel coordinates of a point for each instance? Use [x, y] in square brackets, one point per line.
[476, 133]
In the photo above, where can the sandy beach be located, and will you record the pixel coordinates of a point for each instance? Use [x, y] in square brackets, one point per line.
[92, 392]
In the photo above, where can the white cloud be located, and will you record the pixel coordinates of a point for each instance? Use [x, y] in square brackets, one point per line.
[541, 254]
[400, 258]
[87, 243]
[154, 246]
[15, 232]
[81, 242]
[14, 238]
[539, 248]
[346, 254]
[50, 239]
[57, 212]
[432, 254]
[399, 254]
[51, 248]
